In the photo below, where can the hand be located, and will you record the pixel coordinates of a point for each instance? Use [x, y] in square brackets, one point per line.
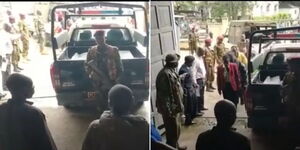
[195, 85]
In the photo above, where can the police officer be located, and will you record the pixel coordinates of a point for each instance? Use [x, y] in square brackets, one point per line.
[169, 99]
[24, 36]
[209, 60]
[16, 46]
[40, 32]
[108, 63]
[219, 49]
[193, 41]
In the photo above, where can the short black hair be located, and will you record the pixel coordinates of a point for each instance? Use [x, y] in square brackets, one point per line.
[189, 59]
[120, 99]
[17, 81]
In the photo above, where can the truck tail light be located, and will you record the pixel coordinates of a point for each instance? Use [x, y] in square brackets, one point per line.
[248, 102]
[55, 77]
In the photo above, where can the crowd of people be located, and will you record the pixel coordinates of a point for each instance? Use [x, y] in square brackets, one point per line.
[181, 93]
[15, 43]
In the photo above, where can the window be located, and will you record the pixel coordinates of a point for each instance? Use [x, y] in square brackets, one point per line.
[268, 8]
[295, 12]
[275, 7]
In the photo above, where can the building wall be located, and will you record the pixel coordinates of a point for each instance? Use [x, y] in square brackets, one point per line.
[265, 8]
[293, 11]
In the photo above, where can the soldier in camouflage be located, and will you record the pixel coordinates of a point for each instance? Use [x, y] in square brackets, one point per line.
[193, 41]
[16, 46]
[24, 36]
[209, 60]
[219, 49]
[40, 32]
[169, 99]
[108, 62]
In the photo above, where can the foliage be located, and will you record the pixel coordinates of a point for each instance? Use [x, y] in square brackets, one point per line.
[278, 17]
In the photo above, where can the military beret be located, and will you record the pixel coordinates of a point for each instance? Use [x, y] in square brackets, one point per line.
[207, 40]
[172, 58]
[220, 37]
[99, 33]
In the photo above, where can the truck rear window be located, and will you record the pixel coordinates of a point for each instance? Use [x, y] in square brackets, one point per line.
[85, 37]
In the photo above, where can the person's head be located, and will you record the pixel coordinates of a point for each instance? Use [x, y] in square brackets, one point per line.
[207, 42]
[22, 16]
[172, 60]
[189, 60]
[220, 39]
[193, 29]
[278, 59]
[20, 86]
[294, 65]
[8, 12]
[120, 99]
[100, 37]
[200, 51]
[12, 20]
[38, 12]
[235, 50]
[225, 112]
[226, 59]
[7, 27]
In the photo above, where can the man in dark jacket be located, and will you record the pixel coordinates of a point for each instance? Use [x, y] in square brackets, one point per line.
[22, 126]
[189, 85]
[222, 136]
[117, 129]
[169, 99]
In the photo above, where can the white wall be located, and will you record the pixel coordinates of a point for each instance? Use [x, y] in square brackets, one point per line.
[260, 8]
[293, 11]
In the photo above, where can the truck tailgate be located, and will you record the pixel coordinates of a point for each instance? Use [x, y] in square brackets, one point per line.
[266, 99]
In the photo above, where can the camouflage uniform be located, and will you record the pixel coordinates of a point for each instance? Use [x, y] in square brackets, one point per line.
[169, 102]
[209, 59]
[25, 37]
[108, 61]
[192, 42]
[220, 51]
[16, 48]
[40, 30]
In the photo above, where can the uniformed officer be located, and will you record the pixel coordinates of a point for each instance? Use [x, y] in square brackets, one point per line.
[24, 36]
[16, 46]
[219, 49]
[108, 63]
[193, 41]
[209, 60]
[169, 99]
[40, 32]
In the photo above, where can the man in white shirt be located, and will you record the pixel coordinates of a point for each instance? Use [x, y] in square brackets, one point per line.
[7, 49]
[199, 77]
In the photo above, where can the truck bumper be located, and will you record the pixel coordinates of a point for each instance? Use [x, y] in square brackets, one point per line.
[79, 98]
